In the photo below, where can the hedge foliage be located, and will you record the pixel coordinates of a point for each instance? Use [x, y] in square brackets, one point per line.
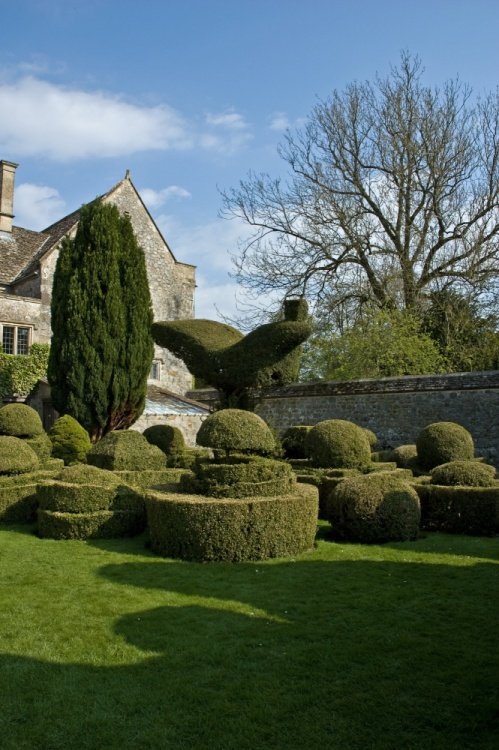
[42, 446]
[166, 437]
[18, 495]
[193, 527]
[405, 456]
[293, 441]
[441, 442]
[102, 524]
[16, 457]
[336, 443]
[465, 474]
[374, 508]
[70, 441]
[19, 373]
[126, 450]
[371, 436]
[236, 430]
[459, 510]
[150, 477]
[20, 420]
[235, 364]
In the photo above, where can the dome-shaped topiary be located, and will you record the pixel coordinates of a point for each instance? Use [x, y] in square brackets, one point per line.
[464, 473]
[42, 446]
[293, 441]
[371, 436]
[338, 444]
[405, 456]
[442, 442]
[166, 437]
[236, 430]
[20, 420]
[374, 508]
[126, 450]
[70, 441]
[85, 474]
[16, 457]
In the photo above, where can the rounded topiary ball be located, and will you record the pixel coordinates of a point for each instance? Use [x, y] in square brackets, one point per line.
[442, 442]
[293, 441]
[70, 441]
[464, 473]
[126, 450]
[338, 444]
[371, 436]
[236, 430]
[20, 420]
[374, 508]
[166, 437]
[405, 456]
[16, 457]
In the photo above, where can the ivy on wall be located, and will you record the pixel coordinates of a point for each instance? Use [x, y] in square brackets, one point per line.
[19, 373]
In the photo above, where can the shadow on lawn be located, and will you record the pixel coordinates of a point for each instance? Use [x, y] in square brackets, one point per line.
[308, 654]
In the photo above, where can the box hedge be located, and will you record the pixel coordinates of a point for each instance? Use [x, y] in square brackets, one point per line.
[236, 430]
[42, 446]
[464, 473]
[441, 442]
[126, 450]
[194, 527]
[293, 441]
[459, 510]
[337, 443]
[16, 456]
[18, 495]
[98, 525]
[166, 437]
[70, 441]
[20, 420]
[150, 477]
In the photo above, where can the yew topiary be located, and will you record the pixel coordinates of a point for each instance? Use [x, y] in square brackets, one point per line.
[338, 444]
[464, 474]
[166, 437]
[126, 450]
[20, 420]
[70, 441]
[236, 430]
[374, 508]
[16, 457]
[441, 442]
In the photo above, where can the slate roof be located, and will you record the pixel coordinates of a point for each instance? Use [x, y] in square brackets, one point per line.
[18, 250]
[161, 401]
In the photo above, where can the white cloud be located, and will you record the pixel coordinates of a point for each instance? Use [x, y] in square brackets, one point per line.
[63, 123]
[37, 206]
[41, 118]
[279, 121]
[157, 198]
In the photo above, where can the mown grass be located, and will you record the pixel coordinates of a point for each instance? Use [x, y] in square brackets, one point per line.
[105, 646]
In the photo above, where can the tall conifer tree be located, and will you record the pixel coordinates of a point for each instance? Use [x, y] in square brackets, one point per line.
[102, 348]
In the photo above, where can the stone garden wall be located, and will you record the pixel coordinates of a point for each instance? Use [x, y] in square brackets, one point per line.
[396, 409]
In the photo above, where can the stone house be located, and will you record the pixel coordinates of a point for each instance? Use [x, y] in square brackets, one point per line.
[27, 265]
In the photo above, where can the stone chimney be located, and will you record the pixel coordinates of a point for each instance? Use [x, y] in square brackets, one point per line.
[7, 174]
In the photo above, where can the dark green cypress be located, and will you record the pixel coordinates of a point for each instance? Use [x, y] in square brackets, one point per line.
[102, 348]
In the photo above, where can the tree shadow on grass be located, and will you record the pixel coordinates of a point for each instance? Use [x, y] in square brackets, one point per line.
[306, 654]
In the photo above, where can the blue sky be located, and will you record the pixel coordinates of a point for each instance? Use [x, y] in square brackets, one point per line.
[191, 95]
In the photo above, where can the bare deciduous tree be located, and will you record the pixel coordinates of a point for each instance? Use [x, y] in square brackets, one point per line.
[393, 191]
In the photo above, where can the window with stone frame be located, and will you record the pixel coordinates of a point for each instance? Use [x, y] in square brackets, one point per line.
[15, 339]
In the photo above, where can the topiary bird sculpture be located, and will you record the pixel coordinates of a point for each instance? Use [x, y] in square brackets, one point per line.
[236, 364]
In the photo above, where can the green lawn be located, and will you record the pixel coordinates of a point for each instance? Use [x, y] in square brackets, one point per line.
[104, 645]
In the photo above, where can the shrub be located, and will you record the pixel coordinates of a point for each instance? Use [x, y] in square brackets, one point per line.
[442, 442]
[236, 430]
[70, 441]
[371, 436]
[126, 450]
[206, 529]
[244, 477]
[405, 456]
[42, 446]
[337, 443]
[293, 441]
[150, 477]
[16, 457]
[18, 495]
[459, 510]
[166, 437]
[101, 524]
[374, 508]
[464, 473]
[20, 420]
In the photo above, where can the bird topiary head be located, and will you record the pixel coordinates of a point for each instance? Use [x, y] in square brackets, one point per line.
[236, 430]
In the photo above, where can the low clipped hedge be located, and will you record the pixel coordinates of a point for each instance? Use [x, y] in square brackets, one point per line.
[244, 476]
[441, 442]
[373, 509]
[124, 450]
[98, 525]
[193, 527]
[186, 459]
[70, 441]
[16, 456]
[20, 420]
[150, 477]
[19, 495]
[81, 502]
[465, 474]
[337, 443]
[459, 510]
